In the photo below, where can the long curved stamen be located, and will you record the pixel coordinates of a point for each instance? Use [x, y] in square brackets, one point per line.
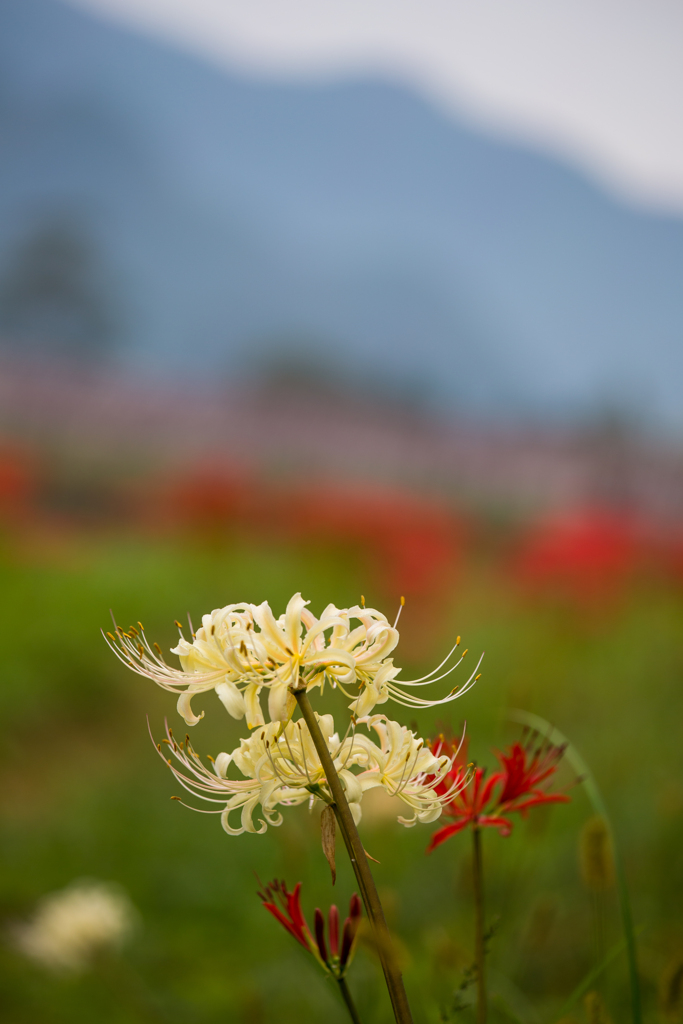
[456, 788]
[193, 788]
[352, 725]
[159, 671]
[226, 787]
[410, 701]
[291, 754]
[303, 752]
[335, 683]
[259, 657]
[438, 667]
[462, 739]
[241, 655]
[197, 810]
[206, 778]
[153, 653]
[436, 679]
[206, 782]
[283, 778]
[410, 773]
[136, 653]
[400, 781]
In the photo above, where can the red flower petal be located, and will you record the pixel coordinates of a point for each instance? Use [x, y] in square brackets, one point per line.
[279, 916]
[445, 833]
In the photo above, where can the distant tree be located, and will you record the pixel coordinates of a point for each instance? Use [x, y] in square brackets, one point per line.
[51, 296]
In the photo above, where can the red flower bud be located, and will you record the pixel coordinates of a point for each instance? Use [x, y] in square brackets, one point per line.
[319, 926]
[350, 930]
[333, 929]
[291, 917]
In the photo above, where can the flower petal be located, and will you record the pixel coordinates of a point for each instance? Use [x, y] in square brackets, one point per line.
[293, 624]
[221, 765]
[185, 708]
[253, 706]
[278, 703]
[445, 833]
[232, 699]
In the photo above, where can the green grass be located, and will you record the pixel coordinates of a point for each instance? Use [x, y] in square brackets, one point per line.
[83, 793]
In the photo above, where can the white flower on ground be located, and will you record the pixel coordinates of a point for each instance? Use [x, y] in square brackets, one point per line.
[242, 648]
[280, 767]
[72, 926]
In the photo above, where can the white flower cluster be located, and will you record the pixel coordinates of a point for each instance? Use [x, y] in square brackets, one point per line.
[72, 926]
[280, 766]
[242, 648]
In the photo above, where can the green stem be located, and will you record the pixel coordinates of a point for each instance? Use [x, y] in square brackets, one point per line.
[479, 946]
[595, 796]
[360, 865]
[346, 996]
[586, 983]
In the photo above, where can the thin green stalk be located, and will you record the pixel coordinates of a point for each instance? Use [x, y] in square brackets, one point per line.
[599, 925]
[479, 942]
[595, 796]
[590, 978]
[360, 865]
[350, 1005]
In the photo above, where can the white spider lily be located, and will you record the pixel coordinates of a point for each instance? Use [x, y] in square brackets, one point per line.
[280, 766]
[72, 926]
[405, 767]
[242, 648]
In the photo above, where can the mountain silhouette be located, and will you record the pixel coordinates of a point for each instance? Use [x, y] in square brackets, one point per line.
[348, 228]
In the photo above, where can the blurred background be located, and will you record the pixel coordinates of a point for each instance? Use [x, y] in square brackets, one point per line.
[379, 298]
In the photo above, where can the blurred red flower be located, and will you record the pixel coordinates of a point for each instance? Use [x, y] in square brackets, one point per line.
[584, 553]
[19, 481]
[205, 496]
[414, 541]
[524, 769]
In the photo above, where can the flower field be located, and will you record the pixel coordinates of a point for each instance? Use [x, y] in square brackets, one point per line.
[85, 796]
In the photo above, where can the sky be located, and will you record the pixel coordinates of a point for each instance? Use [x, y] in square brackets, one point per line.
[598, 82]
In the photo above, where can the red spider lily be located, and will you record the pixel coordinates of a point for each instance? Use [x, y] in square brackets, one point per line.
[334, 959]
[470, 808]
[486, 801]
[524, 769]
